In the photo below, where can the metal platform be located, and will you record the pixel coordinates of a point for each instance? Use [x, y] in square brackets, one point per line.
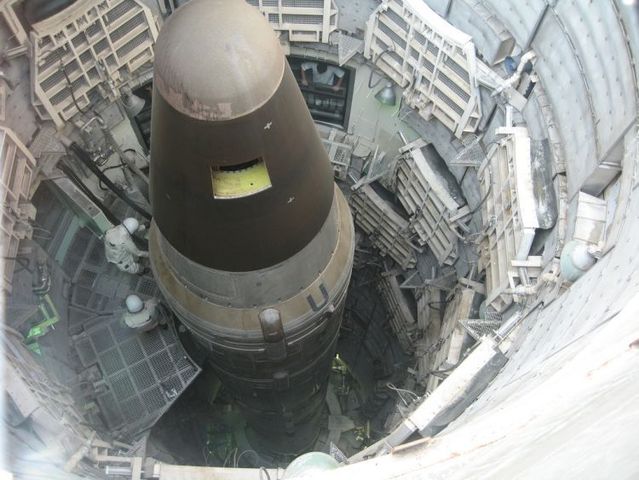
[142, 374]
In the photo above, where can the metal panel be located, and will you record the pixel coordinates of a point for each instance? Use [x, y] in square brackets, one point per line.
[339, 151]
[508, 214]
[629, 21]
[387, 230]
[17, 167]
[605, 62]
[49, 406]
[401, 318]
[432, 60]
[590, 221]
[442, 357]
[144, 372]
[561, 76]
[520, 18]
[435, 214]
[87, 51]
[303, 20]
[488, 32]
[440, 7]
[3, 103]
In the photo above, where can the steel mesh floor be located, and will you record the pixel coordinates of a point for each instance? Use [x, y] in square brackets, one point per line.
[99, 286]
[478, 328]
[144, 372]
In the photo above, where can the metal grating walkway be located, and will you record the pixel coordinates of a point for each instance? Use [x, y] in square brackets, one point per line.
[143, 373]
[99, 286]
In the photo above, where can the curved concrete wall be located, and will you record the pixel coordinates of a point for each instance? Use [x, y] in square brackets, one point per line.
[567, 402]
[587, 65]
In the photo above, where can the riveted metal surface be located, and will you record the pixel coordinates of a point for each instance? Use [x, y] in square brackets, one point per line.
[603, 54]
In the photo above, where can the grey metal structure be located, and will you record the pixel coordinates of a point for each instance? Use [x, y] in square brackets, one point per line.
[544, 385]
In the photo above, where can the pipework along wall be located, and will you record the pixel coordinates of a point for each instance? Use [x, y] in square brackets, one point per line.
[587, 66]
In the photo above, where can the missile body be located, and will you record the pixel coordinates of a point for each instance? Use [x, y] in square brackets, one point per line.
[251, 241]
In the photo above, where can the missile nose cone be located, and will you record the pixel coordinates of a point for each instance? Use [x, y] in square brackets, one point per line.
[217, 59]
[240, 180]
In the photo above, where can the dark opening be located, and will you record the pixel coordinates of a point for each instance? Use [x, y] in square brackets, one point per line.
[328, 99]
[240, 166]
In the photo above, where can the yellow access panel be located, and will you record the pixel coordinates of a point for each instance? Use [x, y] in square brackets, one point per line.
[241, 180]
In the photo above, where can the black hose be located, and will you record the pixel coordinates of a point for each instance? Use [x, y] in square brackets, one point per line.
[106, 169]
[24, 262]
[68, 171]
[84, 157]
[87, 191]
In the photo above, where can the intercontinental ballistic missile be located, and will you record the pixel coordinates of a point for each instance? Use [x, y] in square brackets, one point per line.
[251, 241]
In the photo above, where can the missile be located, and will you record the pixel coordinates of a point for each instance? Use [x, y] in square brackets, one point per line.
[251, 241]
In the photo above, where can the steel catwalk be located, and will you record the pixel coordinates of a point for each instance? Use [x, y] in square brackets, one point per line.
[251, 240]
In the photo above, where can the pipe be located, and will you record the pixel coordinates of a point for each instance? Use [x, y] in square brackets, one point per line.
[87, 191]
[68, 171]
[84, 157]
[514, 78]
